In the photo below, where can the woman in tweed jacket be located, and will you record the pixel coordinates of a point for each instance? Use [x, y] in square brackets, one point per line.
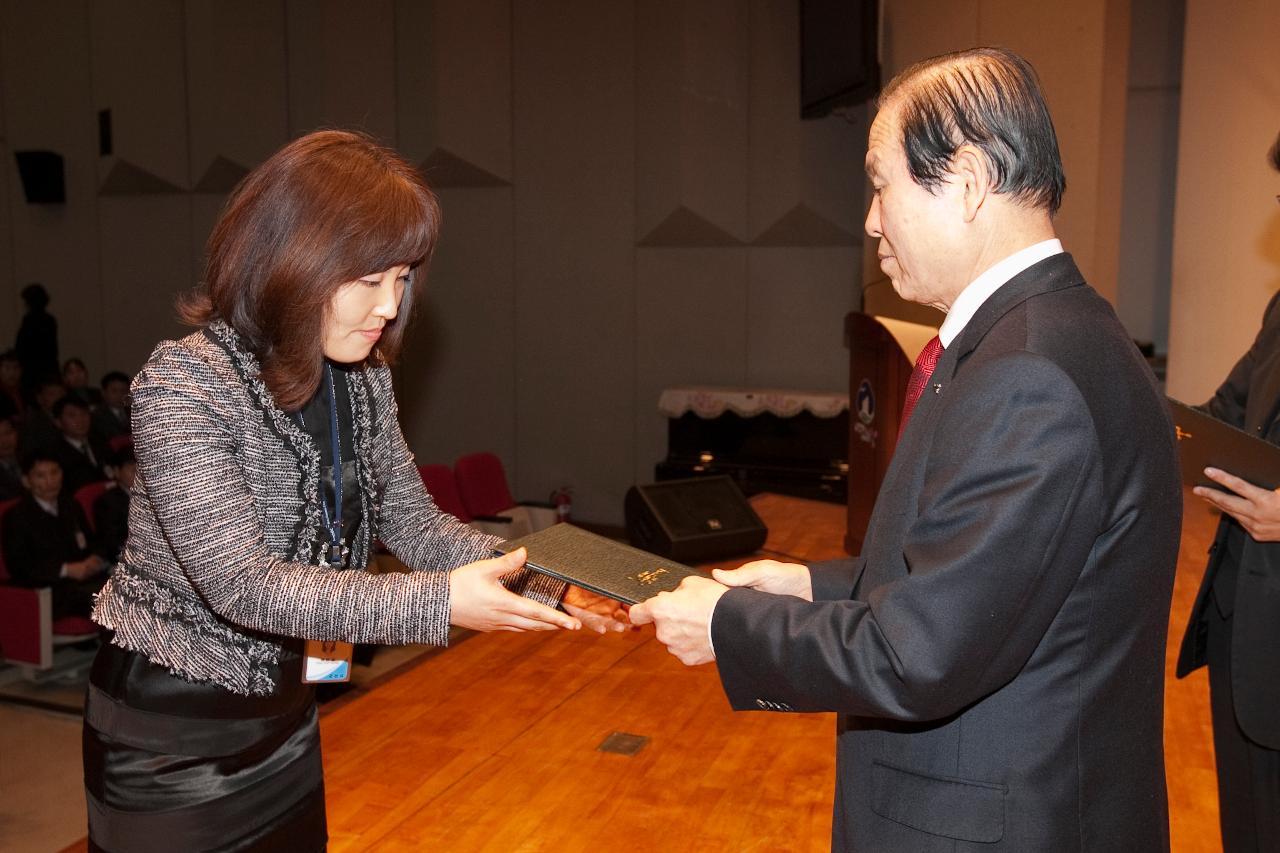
[199, 731]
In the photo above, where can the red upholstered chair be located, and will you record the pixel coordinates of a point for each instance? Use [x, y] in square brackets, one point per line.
[87, 494]
[444, 489]
[482, 482]
[120, 442]
[28, 631]
[5, 506]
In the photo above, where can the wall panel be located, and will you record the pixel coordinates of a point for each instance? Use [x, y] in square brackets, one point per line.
[1226, 238]
[691, 322]
[341, 61]
[237, 88]
[146, 263]
[453, 81]
[797, 300]
[691, 122]
[456, 380]
[47, 105]
[575, 264]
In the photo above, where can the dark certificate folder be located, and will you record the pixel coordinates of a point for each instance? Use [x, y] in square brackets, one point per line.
[601, 565]
[1206, 442]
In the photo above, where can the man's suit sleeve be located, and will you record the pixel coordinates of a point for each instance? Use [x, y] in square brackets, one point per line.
[1008, 513]
[833, 580]
[30, 560]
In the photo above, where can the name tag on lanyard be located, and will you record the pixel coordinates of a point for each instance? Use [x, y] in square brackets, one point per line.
[327, 661]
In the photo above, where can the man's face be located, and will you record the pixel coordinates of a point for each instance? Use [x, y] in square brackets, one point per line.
[916, 228]
[49, 394]
[74, 422]
[115, 393]
[124, 474]
[8, 438]
[44, 480]
[10, 373]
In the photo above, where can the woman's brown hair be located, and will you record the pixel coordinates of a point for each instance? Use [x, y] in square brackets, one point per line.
[324, 210]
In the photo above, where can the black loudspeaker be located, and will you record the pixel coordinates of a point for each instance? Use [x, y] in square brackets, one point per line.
[691, 521]
[42, 179]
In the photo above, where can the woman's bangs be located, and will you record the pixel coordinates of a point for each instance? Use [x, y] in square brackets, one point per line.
[402, 229]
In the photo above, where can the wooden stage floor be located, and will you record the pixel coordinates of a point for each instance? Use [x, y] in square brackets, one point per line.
[492, 745]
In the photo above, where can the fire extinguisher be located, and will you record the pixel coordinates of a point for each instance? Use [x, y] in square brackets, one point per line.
[562, 499]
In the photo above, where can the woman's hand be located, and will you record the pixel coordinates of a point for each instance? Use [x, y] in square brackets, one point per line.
[598, 613]
[1257, 510]
[477, 600]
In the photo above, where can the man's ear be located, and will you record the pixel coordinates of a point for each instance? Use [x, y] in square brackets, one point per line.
[973, 177]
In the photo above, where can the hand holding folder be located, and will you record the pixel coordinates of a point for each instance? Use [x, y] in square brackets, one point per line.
[601, 565]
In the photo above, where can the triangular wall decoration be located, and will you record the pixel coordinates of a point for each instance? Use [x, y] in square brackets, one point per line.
[443, 168]
[221, 176]
[127, 179]
[802, 226]
[686, 229]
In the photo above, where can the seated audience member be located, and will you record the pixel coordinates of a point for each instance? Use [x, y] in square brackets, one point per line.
[112, 417]
[75, 378]
[10, 468]
[46, 540]
[82, 456]
[38, 431]
[111, 509]
[11, 402]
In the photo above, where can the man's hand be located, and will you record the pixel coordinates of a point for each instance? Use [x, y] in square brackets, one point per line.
[86, 568]
[769, 576]
[682, 618]
[1257, 510]
[477, 600]
[596, 612]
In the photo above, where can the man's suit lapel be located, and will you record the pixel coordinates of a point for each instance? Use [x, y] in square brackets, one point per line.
[1053, 273]
[895, 505]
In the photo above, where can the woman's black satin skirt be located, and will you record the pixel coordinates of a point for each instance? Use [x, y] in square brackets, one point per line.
[170, 765]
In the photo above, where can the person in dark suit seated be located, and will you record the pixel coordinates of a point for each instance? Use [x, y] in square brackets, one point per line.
[111, 418]
[75, 378]
[38, 431]
[47, 540]
[10, 467]
[996, 652]
[12, 403]
[82, 456]
[1234, 626]
[111, 509]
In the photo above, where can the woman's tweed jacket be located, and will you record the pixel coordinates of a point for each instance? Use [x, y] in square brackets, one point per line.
[224, 560]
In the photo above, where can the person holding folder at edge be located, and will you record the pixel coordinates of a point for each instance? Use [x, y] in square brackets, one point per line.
[1235, 622]
[996, 652]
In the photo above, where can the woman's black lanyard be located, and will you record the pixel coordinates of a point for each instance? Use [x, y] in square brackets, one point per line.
[333, 520]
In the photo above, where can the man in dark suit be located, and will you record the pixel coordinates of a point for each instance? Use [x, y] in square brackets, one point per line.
[47, 540]
[37, 429]
[996, 652]
[1235, 623]
[111, 509]
[111, 418]
[10, 468]
[82, 455]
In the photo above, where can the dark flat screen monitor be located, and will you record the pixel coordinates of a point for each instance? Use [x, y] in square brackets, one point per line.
[839, 56]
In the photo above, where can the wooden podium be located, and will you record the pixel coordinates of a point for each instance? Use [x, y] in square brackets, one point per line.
[881, 354]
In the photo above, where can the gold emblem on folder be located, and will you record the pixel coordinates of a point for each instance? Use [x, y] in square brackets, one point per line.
[648, 577]
[1180, 433]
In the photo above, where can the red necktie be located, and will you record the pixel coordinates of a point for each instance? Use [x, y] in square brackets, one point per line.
[925, 363]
